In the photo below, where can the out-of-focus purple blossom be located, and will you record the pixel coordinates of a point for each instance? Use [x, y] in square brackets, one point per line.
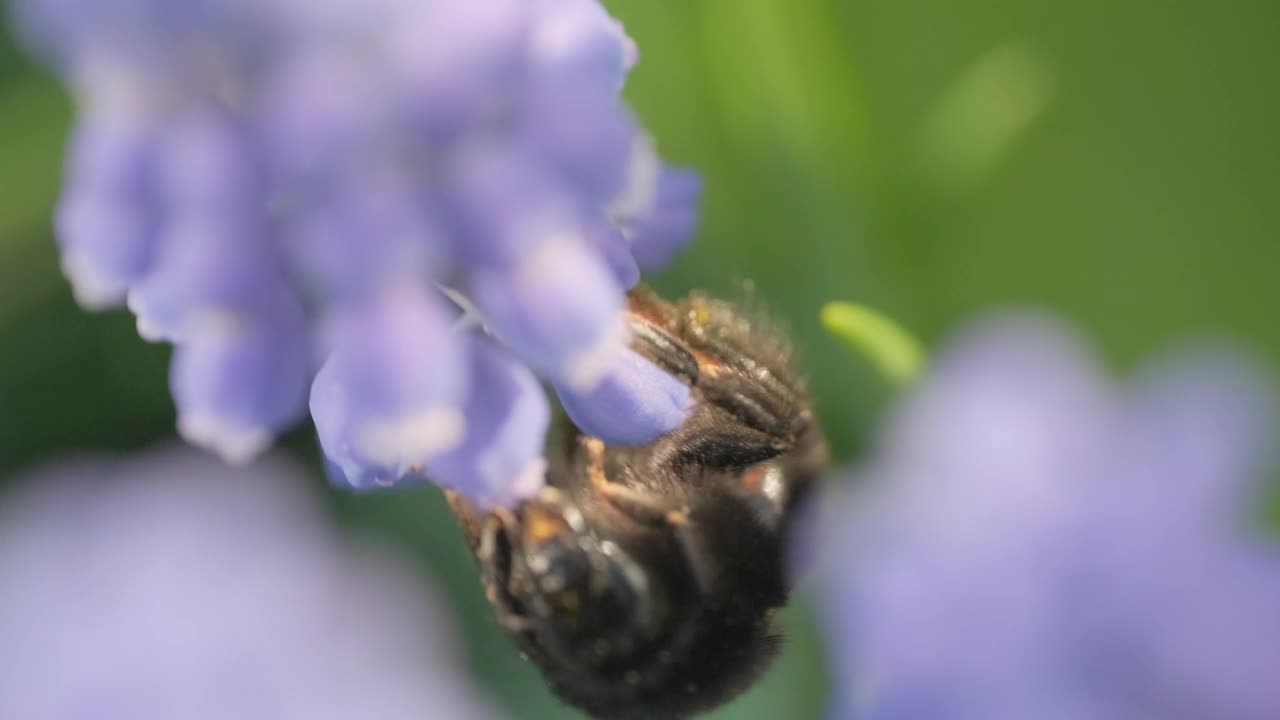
[257, 179]
[169, 586]
[1031, 542]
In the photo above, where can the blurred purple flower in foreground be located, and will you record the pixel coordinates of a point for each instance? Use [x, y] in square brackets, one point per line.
[171, 587]
[286, 187]
[1033, 543]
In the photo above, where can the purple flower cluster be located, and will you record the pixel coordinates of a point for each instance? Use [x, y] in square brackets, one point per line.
[409, 210]
[1033, 543]
[171, 586]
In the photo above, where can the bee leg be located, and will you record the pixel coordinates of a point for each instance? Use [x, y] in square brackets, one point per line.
[661, 348]
[713, 442]
[756, 405]
[761, 403]
[652, 512]
[700, 559]
[494, 553]
[638, 506]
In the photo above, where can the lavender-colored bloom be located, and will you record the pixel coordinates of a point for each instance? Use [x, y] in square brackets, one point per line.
[104, 223]
[659, 210]
[169, 586]
[501, 459]
[634, 387]
[1031, 542]
[289, 190]
[400, 417]
[238, 378]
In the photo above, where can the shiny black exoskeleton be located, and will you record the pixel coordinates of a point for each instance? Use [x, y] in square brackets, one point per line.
[643, 581]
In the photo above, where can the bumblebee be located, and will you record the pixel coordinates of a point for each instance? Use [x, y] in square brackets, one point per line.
[644, 581]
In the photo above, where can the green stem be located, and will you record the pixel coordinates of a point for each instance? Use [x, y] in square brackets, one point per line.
[894, 352]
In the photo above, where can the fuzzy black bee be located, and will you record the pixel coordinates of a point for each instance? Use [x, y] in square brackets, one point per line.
[644, 580]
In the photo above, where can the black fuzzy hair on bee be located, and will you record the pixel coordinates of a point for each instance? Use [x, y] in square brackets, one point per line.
[645, 581]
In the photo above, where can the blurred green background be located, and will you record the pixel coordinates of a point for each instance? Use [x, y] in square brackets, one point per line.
[1115, 162]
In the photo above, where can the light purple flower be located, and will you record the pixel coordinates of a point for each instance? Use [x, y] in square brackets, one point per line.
[659, 209]
[502, 458]
[284, 168]
[634, 387]
[169, 586]
[378, 416]
[1032, 542]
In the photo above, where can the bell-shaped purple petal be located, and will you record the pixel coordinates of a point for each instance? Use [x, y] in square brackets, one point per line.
[657, 208]
[665, 224]
[239, 380]
[214, 254]
[559, 309]
[109, 215]
[614, 249]
[209, 264]
[391, 396]
[635, 402]
[500, 459]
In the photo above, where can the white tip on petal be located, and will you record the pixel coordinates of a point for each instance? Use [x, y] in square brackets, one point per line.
[147, 329]
[640, 194]
[412, 440]
[92, 289]
[588, 368]
[235, 445]
[584, 369]
[504, 490]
